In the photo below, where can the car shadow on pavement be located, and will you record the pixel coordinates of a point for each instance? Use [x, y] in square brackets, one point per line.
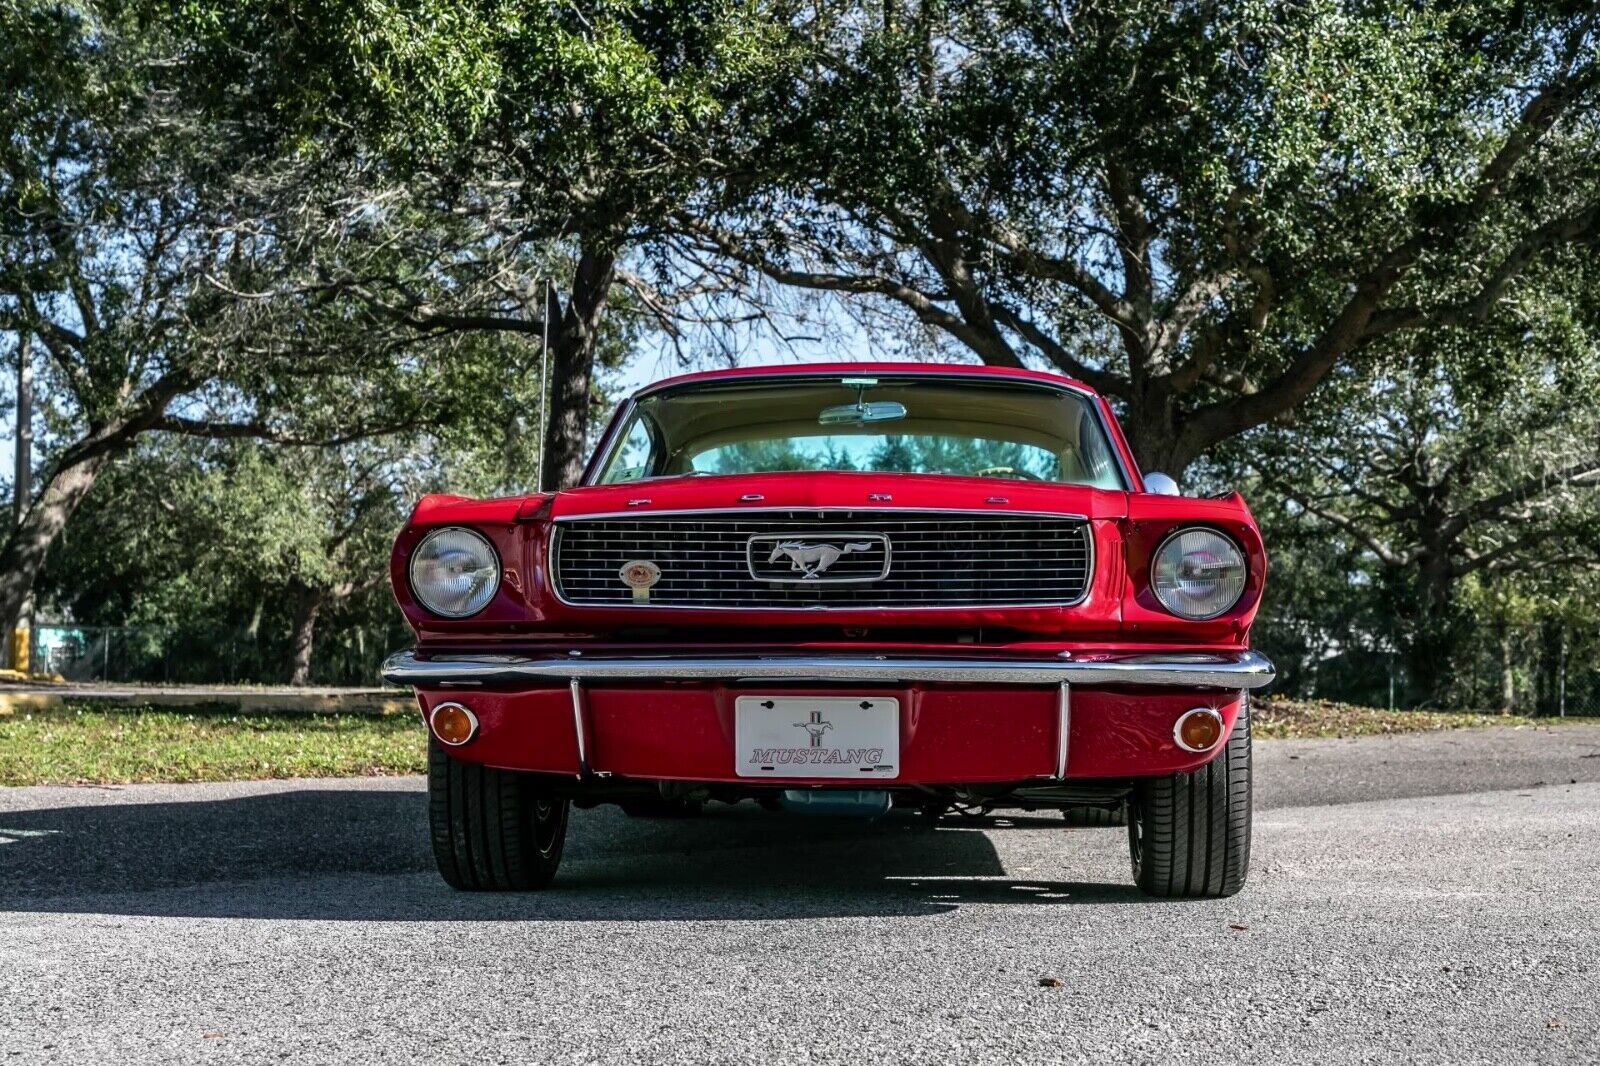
[353, 855]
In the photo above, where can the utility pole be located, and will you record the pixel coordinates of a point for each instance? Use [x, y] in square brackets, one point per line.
[19, 642]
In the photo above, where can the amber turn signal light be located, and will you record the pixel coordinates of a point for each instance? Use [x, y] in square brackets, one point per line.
[1198, 730]
[453, 724]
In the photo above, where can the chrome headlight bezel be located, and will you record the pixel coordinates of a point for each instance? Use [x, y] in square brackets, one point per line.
[481, 598]
[1165, 596]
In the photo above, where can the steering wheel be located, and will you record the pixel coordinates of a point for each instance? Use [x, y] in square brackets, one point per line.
[1008, 471]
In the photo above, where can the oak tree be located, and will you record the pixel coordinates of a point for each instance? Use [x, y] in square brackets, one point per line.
[1461, 460]
[1202, 209]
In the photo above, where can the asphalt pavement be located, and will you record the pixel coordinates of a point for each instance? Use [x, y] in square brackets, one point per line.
[1427, 898]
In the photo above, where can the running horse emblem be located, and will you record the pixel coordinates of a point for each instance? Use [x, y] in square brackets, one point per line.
[815, 726]
[812, 559]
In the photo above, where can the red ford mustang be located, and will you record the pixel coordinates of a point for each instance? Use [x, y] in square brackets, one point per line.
[840, 589]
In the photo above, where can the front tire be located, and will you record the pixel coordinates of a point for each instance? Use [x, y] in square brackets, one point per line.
[1189, 834]
[493, 830]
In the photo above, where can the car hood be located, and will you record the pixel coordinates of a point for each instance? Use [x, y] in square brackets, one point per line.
[832, 491]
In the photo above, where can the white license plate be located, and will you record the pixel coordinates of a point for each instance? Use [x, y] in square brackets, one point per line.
[855, 737]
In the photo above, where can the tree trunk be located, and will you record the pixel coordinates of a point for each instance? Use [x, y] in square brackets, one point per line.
[71, 477]
[18, 645]
[1435, 630]
[1547, 675]
[307, 606]
[25, 550]
[572, 368]
[1152, 434]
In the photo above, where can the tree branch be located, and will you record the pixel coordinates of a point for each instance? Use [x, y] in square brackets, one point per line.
[920, 303]
[1218, 421]
[1567, 229]
[1104, 381]
[1388, 556]
[1530, 487]
[197, 427]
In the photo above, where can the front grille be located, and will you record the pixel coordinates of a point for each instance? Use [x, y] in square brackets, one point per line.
[934, 559]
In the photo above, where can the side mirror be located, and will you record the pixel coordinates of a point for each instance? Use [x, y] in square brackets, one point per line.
[1161, 485]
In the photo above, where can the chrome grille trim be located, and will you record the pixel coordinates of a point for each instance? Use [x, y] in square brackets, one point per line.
[998, 559]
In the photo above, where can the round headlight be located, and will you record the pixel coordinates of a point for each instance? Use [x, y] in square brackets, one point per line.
[1197, 573]
[454, 572]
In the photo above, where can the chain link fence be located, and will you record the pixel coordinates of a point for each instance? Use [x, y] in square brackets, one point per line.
[1545, 670]
[172, 655]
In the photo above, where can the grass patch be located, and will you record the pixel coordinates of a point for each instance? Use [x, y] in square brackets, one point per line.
[96, 744]
[1278, 719]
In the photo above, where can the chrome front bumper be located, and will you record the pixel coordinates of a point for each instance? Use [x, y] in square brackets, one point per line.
[1225, 670]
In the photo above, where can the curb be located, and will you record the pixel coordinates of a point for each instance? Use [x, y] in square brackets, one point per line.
[15, 700]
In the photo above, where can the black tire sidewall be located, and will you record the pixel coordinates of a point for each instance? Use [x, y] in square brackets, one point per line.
[1189, 834]
[492, 829]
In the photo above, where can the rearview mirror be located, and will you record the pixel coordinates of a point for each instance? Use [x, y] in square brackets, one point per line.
[859, 414]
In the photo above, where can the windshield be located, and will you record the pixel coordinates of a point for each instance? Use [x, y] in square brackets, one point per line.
[970, 428]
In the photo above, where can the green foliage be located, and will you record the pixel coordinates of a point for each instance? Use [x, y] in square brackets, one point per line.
[134, 247]
[267, 306]
[220, 544]
[600, 113]
[1447, 488]
[561, 138]
[1201, 209]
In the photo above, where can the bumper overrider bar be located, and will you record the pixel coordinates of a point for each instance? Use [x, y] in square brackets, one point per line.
[1224, 670]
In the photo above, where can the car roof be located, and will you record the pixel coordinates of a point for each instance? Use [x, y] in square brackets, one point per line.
[834, 370]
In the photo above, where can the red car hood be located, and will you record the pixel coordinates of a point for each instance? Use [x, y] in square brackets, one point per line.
[834, 491]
